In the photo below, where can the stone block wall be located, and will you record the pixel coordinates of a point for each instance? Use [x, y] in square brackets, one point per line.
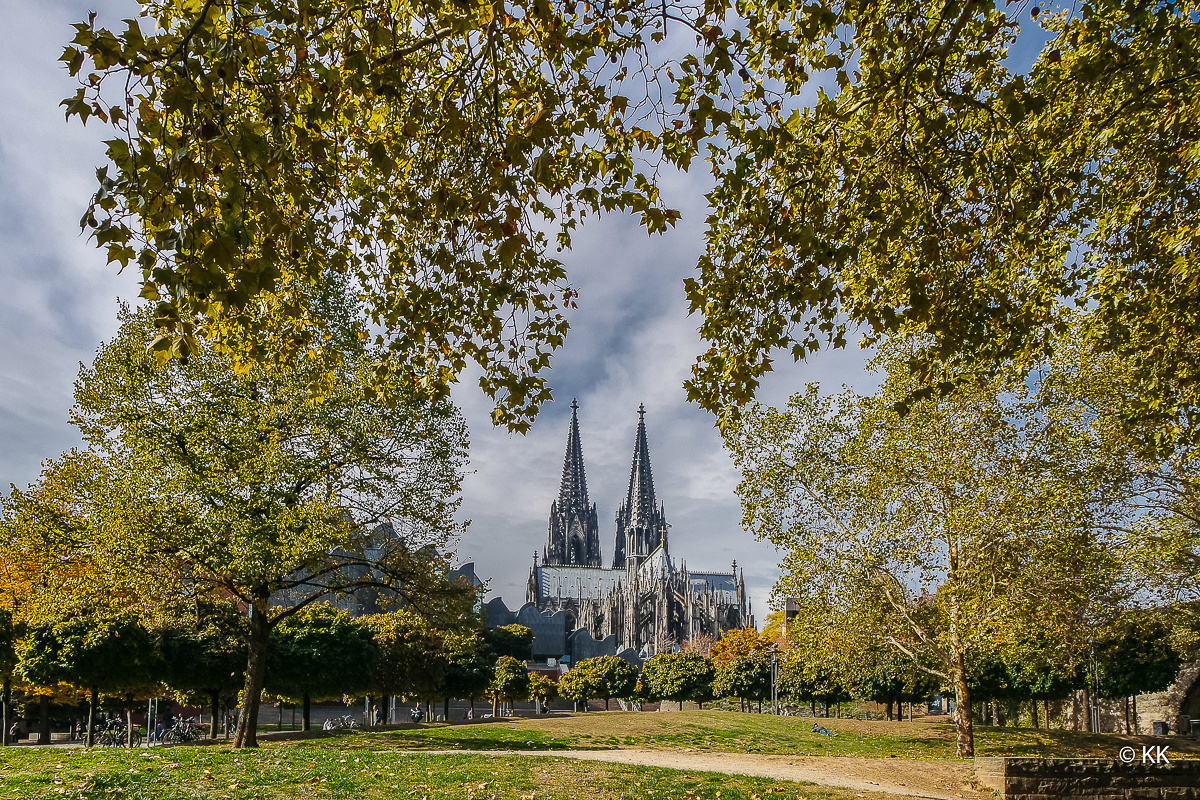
[1092, 778]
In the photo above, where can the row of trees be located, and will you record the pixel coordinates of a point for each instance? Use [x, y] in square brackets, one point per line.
[319, 653]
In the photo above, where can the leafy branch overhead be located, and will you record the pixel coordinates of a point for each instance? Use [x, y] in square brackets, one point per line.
[914, 173]
[883, 168]
[430, 155]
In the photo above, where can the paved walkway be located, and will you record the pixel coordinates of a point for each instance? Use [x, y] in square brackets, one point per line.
[941, 780]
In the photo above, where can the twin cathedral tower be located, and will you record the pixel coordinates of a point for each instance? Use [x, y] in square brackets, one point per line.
[642, 598]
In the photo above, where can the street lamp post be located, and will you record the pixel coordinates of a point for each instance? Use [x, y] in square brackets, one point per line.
[774, 682]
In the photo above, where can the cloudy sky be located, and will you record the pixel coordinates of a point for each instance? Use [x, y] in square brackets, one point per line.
[631, 340]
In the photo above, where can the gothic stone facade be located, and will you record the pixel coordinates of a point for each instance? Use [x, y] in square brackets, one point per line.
[644, 600]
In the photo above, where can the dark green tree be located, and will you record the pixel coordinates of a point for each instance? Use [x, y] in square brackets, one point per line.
[96, 649]
[747, 678]
[890, 678]
[206, 656]
[514, 641]
[679, 677]
[1137, 657]
[468, 671]
[8, 667]
[510, 681]
[320, 652]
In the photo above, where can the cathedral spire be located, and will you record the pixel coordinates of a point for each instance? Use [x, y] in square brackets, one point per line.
[640, 497]
[641, 524]
[572, 492]
[573, 532]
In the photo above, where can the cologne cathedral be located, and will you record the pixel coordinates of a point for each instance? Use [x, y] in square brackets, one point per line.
[643, 599]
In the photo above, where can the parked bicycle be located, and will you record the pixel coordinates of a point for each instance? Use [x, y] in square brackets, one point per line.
[184, 730]
[337, 723]
[116, 735]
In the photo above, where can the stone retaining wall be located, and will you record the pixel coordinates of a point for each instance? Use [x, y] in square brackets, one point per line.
[1092, 778]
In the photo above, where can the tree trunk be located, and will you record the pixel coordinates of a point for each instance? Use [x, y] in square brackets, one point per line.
[44, 726]
[279, 708]
[129, 720]
[5, 703]
[1137, 728]
[1046, 712]
[1087, 709]
[963, 725]
[90, 737]
[256, 668]
[216, 712]
[495, 702]
[305, 723]
[887, 711]
[1126, 716]
[1033, 715]
[446, 707]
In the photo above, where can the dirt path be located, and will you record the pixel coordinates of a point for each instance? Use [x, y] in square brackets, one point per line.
[943, 780]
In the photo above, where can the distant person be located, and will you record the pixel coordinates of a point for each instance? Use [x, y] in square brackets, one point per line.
[823, 731]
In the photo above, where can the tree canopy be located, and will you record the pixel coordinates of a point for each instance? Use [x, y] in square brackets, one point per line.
[319, 652]
[679, 677]
[274, 488]
[968, 518]
[955, 171]
[941, 185]
[601, 677]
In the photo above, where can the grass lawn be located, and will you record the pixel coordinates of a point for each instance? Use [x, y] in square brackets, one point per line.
[291, 771]
[723, 731]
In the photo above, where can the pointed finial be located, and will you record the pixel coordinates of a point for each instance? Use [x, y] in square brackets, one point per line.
[574, 404]
[535, 558]
[641, 410]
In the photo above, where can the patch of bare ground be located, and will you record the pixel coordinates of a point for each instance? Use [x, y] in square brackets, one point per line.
[888, 777]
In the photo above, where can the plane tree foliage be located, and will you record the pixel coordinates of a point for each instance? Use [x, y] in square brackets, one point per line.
[967, 518]
[275, 488]
[938, 171]
[964, 171]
